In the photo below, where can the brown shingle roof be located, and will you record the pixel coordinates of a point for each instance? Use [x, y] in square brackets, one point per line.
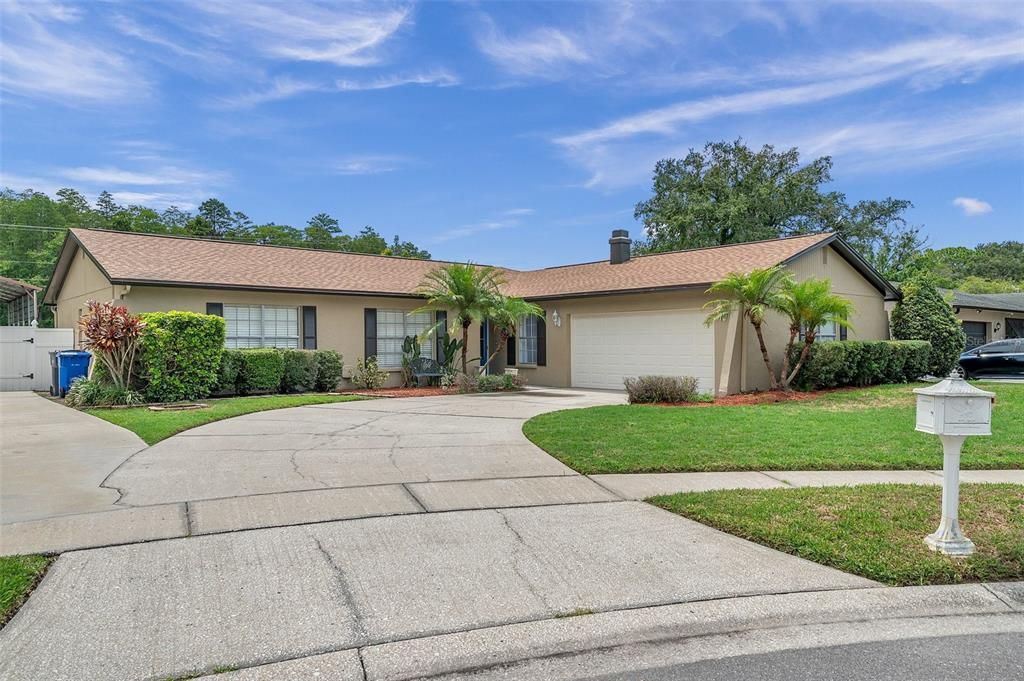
[662, 270]
[138, 258]
[143, 258]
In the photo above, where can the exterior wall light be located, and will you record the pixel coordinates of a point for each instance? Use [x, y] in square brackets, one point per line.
[555, 319]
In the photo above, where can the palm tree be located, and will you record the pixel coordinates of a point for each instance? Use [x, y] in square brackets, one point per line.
[466, 289]
[752, 295]
[809, 304]
[504, 316]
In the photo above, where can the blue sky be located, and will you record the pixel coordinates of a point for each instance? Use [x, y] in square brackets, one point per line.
[511, 133]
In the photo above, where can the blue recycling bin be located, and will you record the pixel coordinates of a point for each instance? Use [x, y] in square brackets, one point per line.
[71, 364]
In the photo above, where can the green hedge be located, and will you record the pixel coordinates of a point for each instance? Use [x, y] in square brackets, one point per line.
[230, 366]
[328, 370]
[254, 371]
[179, 355]
[299, 373]
[261, 371]
[841, 363]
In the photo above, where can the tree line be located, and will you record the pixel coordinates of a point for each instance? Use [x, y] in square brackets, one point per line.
[32, 227]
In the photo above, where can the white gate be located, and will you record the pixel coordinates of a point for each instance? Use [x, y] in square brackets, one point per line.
[25, 355]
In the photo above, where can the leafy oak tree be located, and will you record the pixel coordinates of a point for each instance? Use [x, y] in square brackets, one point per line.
[729, 193]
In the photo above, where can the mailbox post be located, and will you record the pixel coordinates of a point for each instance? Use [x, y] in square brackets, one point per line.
[953, 410]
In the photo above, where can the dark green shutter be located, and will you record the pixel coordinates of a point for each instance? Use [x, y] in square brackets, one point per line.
[510, 352]
[215, 308]
[370, 330]
[309, 327]
[441, 319]
[842, 332]
[542, 342]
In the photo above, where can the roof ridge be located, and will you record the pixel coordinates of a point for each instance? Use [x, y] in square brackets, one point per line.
[693, 250]
[305, 249]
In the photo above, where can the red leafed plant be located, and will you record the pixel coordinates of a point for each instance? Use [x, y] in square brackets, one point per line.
[112, 334]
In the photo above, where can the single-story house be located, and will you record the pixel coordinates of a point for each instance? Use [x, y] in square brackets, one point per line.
[988, 317]
[21, 300]
[603, 321]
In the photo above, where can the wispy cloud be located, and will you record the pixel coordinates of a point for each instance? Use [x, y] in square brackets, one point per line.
[436, 78]
[43, 55]
[611, 152]
[920, 138]
[830, 78]
[541, 51]
[154, 177]
[369, 164]
[349, 34]
[507, 219]
[279, 89]
[972, 207]
[474, 228]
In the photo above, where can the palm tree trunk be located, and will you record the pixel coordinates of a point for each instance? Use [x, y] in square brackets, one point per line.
[465, 344]
[772, 383]
[502, 341]
[793, 332]
[808, 341]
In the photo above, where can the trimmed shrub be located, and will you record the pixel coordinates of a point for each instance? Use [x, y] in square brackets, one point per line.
[299, 373]
[668, 389]
[260, 371]
[487, 383]
[924, 314]
[368, 376]
[230, 366]
[180, 355]
[840, 363]
[328, 370]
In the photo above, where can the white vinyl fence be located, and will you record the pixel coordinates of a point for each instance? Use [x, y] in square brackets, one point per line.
[25, 355]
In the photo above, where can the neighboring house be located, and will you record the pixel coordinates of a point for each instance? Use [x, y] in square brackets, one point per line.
[603, 321]
[988, 317]
[21, 301]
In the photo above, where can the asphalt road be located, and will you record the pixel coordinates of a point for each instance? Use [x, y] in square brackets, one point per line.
[995, 657]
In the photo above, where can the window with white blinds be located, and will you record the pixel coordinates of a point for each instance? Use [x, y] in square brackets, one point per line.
[392, 328]
[261, 326]
[527, 339]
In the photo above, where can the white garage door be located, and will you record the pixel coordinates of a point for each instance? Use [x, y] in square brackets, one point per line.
[608, 348]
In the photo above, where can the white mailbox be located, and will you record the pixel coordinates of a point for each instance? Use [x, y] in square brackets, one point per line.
[952, 409]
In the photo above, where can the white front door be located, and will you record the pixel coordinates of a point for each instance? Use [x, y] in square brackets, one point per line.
[608, 348]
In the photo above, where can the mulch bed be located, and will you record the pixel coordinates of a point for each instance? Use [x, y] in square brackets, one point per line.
[761, 397]
[428, 391]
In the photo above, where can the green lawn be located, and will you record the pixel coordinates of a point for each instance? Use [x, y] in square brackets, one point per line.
[18, 576]
[153, 426]
[872, 428]
[875, 531]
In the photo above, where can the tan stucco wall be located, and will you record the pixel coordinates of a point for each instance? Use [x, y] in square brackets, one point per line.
[870, 321]
[84, 282]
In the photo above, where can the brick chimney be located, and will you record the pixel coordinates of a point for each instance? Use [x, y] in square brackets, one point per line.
[620, 246]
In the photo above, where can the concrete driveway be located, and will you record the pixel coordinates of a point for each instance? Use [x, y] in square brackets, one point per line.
[53, 459]
[351, 444]
[385, 539]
